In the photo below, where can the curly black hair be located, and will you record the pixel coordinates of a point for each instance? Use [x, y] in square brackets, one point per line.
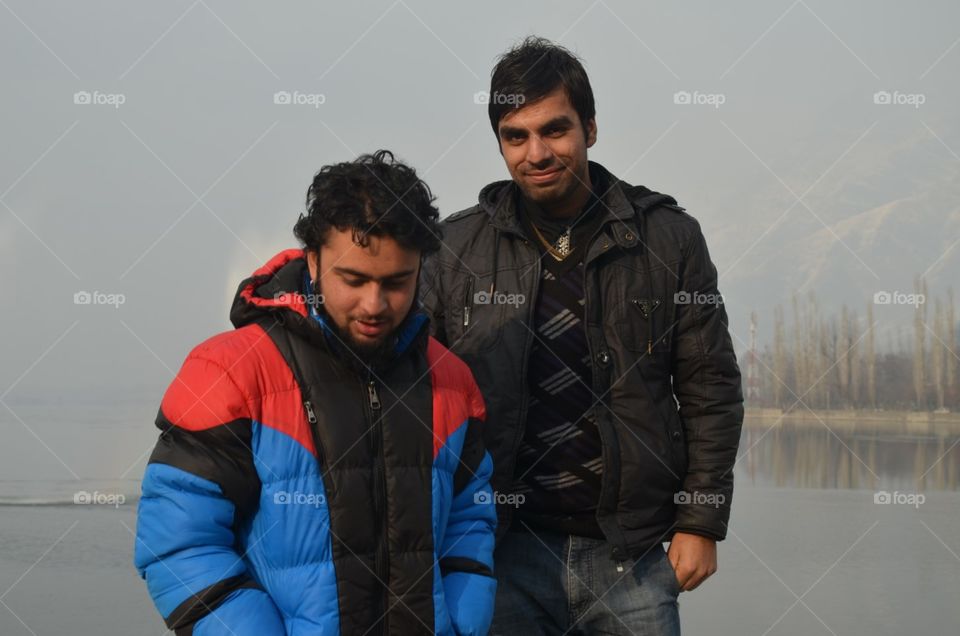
[373, 195]
[532, 69]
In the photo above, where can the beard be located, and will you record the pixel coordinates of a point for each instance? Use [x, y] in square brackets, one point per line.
[364, 356]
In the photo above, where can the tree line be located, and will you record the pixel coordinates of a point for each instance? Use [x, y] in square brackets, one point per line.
[850, 360]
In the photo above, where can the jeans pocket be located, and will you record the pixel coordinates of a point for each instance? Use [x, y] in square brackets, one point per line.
[670, 574]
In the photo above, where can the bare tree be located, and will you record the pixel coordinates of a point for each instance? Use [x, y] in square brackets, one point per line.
[871, 359]
[919, 340]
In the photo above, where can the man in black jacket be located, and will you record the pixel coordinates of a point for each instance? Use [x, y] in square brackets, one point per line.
[589, 313]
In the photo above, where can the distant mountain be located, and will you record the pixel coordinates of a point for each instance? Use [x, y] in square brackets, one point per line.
[889, 212]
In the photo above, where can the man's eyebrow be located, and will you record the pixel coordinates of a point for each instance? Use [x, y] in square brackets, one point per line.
[352, 272]
[512, 130]
[557, 122]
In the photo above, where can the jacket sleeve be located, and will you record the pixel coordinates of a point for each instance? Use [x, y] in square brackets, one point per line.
[466, 554]
[706, 382]
[199, 484]
[431, 297]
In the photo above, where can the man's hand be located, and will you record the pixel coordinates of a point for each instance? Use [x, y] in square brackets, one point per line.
[694, 559]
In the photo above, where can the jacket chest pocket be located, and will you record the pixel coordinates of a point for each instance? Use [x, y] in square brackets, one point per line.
[474, 322]
[645, 312]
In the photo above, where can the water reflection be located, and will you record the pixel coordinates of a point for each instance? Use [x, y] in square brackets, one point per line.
[806, 454]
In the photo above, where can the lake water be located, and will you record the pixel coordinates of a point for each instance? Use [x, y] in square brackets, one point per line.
[809, 550]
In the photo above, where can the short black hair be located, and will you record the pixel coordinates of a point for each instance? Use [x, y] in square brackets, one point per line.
[532, 69]
[373, 195]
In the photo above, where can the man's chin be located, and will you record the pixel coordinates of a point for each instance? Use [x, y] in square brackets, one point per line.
[547, 194]
[367, 344]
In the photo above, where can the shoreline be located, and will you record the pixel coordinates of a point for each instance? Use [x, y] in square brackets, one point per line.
[927, 423]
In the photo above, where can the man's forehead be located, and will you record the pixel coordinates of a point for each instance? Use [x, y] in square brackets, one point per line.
[380, 257]
[554, 104]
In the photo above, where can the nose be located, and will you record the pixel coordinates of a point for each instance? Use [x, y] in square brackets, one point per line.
[374, 300]
[539, 154]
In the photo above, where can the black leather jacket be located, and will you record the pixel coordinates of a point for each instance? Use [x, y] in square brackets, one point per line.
[669, 403]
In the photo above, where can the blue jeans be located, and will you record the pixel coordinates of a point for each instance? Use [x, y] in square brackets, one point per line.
[562, 584]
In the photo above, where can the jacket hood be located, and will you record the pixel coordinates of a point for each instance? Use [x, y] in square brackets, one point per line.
[275, 287]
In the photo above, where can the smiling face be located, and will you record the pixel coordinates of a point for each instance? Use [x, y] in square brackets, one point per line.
[544, 145]
[367, 291]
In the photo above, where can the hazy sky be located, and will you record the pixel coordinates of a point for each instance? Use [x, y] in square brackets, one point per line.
[172, 196]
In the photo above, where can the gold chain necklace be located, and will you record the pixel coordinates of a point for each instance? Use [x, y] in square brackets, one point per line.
[559, 250]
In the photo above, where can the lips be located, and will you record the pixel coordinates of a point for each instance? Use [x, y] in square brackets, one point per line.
[371, 329]
[545, 176]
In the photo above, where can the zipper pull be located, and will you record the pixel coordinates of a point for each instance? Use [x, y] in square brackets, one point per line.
[311, 416]
[620, 566]
[466, 315]
[649, 346]
[372, 394]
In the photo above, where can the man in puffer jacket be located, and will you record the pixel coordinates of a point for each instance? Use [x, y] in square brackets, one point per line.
[321, 468]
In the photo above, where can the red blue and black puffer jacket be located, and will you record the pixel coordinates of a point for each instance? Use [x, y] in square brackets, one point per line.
[291, 494]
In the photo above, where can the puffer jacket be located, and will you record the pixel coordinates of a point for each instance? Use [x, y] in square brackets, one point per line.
[289, 494]
[667, 388]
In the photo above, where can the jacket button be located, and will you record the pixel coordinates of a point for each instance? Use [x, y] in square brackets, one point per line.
[603, 358]
[628, 236]
[676, 435]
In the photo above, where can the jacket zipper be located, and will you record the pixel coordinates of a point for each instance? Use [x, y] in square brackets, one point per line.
[468, 303]
[312, 420]
[382, 558]
[311, 416]
[525, 406]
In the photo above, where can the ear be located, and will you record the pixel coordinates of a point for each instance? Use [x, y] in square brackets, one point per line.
[591, 132]
[313, 260]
